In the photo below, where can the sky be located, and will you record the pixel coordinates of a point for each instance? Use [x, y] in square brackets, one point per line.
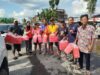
[29, 8]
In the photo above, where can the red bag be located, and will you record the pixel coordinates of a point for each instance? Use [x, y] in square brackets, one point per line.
[18, 40]
[39, 38]
[35, 37]
[69, 48]
[9, 38]
[25, 38]
[53, 38]
[45, 38]
[76, 52]
[72, 48]
[63, 44]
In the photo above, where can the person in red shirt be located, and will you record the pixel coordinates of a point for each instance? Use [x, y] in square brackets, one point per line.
[30, 35]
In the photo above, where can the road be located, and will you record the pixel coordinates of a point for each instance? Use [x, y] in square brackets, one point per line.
[35, 65]
[44, 65]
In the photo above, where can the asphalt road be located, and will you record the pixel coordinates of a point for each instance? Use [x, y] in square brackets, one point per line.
[44, 65]
[35, 65]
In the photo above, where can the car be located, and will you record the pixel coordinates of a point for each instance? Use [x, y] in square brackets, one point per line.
[4, 70]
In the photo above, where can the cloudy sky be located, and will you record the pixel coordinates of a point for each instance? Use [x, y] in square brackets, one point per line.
[29, 8]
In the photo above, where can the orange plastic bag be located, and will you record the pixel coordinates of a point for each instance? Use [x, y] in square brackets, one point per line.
[45, 38]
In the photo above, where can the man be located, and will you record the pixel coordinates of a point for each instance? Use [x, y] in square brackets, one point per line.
[85, 39]
[72, 30]
[16, 30]
[53, 29]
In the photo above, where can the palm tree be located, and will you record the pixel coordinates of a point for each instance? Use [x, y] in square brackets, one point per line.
[57, 3]
[91, 6]
[54, 3]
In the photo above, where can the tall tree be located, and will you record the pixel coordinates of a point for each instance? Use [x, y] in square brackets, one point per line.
[91, 5]
[57, 3]
[52, 4]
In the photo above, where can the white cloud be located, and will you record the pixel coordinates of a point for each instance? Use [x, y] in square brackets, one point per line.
[24, 13]
[79, 7]
[32, 4]
[97, 10]
[2, 12]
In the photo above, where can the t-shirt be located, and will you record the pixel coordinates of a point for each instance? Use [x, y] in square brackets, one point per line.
[85, 37]
[72, 36]
[53, 28]
[30, 33]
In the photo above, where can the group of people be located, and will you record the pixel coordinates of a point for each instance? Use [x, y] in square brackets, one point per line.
[82, 34]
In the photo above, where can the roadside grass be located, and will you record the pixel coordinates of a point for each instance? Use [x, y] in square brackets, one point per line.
[97, 50]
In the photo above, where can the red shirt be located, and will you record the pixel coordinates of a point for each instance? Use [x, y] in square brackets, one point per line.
[29, 32]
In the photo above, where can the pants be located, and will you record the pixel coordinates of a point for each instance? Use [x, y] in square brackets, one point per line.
[17, 47]
[87, 58]
[29, 45]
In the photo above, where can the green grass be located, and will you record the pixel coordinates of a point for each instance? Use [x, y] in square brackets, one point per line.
[98, 50]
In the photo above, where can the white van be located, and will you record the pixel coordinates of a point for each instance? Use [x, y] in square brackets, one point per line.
[4, 70]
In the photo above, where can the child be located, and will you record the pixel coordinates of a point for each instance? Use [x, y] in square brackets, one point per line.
[53, 36]
[37, 38]
[29, 34]
[45, 37]
[63, 30]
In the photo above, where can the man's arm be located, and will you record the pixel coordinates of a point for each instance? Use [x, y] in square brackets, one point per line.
[92, 40]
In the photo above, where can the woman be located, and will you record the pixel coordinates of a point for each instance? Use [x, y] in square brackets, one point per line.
[37, 38]
[29, 34]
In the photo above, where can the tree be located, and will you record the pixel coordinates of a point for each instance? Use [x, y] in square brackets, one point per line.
[57, 3]
[48, 14]
[54, 3]
[6, 20]
[91, 6]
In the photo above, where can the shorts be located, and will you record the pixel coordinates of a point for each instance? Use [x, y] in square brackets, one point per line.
[17, 47]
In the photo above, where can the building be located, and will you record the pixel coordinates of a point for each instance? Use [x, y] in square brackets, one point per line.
[61, 14]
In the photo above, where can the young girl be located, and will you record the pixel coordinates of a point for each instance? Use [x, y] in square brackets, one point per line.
[45, 37]
[37, 38]
[53, 37]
